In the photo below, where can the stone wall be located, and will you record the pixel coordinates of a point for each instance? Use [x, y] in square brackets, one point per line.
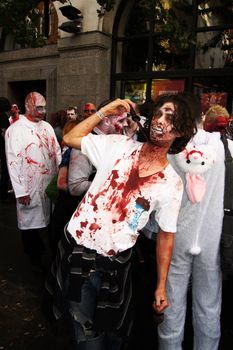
[75, 71]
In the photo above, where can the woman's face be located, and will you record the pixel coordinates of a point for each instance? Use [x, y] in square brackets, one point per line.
[162, 127]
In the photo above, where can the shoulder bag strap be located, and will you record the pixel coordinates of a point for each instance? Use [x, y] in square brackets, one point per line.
[228, 192]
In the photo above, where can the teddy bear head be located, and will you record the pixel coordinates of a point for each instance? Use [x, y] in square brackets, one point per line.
[196, 159]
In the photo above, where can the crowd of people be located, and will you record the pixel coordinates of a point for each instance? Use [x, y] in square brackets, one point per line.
[132, 183]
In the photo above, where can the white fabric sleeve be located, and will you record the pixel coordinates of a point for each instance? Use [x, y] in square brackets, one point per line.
[56, 146]
[92, 146]
[98, 147]
[14, 155]
[167, 215]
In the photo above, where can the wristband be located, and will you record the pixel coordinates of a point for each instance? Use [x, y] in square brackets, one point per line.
[100, 115]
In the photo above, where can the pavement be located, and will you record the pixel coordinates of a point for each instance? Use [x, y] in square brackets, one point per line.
[23, 323]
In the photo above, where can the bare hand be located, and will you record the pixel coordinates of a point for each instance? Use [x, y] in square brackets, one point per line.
[160, 303]
[25, 200]
[117, 107]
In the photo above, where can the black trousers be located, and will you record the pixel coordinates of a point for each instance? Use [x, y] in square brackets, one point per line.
[4, 181]
[33, 244]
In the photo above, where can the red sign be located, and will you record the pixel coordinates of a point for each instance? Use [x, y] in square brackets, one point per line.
[168, 86]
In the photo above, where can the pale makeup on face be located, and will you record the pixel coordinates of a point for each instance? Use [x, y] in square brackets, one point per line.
[88, 109]
[162, 127]
[36, 106]
[119, 122]
[114, 124]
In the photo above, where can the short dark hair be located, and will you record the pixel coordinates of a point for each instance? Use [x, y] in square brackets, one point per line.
[69, 108]
[184, 121]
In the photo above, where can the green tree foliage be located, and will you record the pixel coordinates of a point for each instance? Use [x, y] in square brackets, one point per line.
[164, 20]
[20, 18]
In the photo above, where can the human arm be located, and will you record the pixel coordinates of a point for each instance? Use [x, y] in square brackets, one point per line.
[80, 169]
[74, 137]
[164, 248]
[57, 149]
[62, 179]
[167, 218]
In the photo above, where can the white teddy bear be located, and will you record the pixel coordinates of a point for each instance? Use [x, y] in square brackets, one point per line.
[194, 161]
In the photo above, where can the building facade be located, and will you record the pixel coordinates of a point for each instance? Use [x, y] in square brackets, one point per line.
[138, 50]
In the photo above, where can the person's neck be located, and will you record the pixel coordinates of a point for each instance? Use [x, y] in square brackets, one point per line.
[152, 159]
[15, 117]
[30, 118]
[200, 125]
[155, 151]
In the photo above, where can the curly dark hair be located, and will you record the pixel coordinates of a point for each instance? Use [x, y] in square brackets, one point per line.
[184, 121]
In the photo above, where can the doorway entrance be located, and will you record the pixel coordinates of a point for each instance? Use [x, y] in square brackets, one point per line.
[18, 90]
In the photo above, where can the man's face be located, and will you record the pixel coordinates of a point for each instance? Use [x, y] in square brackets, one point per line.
[162, 127]
[117, 123]
[14, 109]
[88, 110]
[35, 105]
[71, 114]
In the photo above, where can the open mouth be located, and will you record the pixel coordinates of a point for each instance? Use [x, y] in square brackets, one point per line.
[157, 130]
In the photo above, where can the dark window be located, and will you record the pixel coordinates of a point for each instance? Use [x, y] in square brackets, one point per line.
[44, 29]
[170, 45]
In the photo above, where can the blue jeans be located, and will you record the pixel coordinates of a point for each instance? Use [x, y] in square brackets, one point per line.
[82, 315]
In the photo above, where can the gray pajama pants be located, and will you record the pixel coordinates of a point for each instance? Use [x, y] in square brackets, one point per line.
[206, 287]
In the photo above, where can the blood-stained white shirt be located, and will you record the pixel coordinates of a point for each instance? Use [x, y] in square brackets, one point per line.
[33, 155]
[119, 202]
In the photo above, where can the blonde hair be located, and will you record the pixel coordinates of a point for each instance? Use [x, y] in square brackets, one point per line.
[216, 111]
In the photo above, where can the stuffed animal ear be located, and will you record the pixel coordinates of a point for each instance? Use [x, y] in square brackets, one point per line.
[195, 187]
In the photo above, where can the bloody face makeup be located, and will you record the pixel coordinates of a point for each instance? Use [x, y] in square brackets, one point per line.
[162, 127]
[118, 123]
[88, 109]
[113, 124]
[35, 105]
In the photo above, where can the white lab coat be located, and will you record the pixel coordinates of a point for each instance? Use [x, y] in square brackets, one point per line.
[33, 155]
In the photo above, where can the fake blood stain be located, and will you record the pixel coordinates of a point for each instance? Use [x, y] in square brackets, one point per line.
[121, 195]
